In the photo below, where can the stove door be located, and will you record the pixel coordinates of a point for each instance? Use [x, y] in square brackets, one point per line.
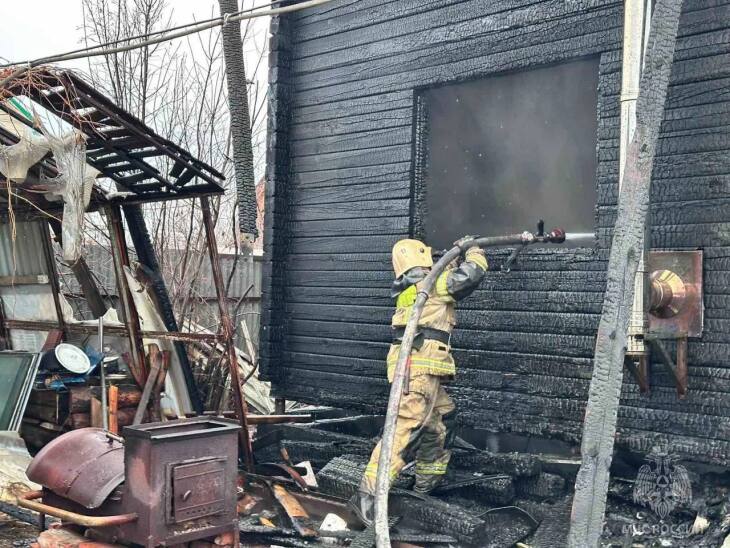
[198, 489]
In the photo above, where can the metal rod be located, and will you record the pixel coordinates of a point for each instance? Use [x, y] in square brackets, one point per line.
[102, 378]
[34, 325]
[50, 261]
[29, 500]
[227, 332]
[682, 373]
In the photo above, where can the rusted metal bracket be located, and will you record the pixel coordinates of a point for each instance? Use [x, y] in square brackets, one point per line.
[677, 371]
[675, 312]
[676, 290]
[227, 333]
[640, 371]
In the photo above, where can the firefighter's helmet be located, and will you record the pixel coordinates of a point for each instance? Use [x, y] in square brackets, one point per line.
[408, 254]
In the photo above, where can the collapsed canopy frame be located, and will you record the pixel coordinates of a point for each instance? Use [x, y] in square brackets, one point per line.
[119, 145]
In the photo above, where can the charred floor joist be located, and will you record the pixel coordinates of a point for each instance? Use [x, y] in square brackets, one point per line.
[347, 177]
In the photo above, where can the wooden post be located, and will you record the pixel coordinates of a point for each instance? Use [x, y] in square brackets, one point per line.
[599, 428]
[239, 402]
[240, 123]
[129, 312]
[52, 274]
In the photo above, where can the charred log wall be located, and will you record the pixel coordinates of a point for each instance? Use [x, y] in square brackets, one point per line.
[345, 171]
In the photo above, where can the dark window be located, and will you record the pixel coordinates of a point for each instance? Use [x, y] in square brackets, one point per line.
[506, 151]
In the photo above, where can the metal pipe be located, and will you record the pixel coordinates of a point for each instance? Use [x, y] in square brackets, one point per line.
[29, 500]
[636, 20]
[382, 482]
[102, 378]
[227, 332]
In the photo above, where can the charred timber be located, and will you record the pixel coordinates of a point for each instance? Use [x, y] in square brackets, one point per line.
[599, 432]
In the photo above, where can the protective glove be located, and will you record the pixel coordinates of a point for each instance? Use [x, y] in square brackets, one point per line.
[477, 256]
[463, 241]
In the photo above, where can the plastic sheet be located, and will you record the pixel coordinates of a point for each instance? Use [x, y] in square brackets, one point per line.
[17, 159]
[73, 184]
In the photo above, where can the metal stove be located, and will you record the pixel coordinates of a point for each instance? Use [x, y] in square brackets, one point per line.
[165, 483]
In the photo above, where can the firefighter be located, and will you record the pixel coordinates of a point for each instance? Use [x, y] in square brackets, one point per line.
[426, 409]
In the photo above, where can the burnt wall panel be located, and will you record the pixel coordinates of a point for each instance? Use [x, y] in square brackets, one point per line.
[345, 166]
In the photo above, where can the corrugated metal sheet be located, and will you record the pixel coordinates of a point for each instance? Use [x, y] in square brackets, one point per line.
[24, 256]
[248, 272]
[101, 264]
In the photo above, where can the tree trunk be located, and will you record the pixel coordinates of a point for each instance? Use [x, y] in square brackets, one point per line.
[599, 429]
[240, 122]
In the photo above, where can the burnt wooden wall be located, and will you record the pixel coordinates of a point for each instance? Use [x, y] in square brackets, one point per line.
[343, 166]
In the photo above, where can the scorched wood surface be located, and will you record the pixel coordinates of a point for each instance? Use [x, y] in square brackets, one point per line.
[343, 182]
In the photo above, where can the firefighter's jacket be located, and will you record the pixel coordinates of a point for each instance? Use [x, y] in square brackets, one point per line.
[433, 357]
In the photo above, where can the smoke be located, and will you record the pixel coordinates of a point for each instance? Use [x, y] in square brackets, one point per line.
[506, 151]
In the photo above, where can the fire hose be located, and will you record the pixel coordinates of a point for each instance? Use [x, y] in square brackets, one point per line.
[382, 486]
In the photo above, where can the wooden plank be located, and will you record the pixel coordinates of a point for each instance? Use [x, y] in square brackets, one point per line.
[455, 67]
[472, 321]
[95, 415]
[125, 417]
[113, 420]
[48, 413]
[49, 398]
[351, 210]
[480, 27]
[352, 192]
[40, 279]
[351, 123]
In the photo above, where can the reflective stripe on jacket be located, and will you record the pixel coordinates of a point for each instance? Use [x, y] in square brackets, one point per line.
[454, 284]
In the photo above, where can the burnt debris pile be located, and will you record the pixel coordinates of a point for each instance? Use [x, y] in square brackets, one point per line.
[492, 499]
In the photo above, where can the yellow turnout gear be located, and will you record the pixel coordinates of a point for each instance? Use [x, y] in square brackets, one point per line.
[420, 421]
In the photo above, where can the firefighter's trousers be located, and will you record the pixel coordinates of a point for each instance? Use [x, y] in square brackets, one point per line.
[420, 426]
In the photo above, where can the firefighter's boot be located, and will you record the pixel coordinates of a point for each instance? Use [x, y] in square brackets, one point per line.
[426, 484]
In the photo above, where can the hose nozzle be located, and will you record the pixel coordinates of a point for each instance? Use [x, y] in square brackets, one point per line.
[555, 236]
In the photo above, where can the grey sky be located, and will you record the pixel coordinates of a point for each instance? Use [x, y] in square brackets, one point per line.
[39, 28]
